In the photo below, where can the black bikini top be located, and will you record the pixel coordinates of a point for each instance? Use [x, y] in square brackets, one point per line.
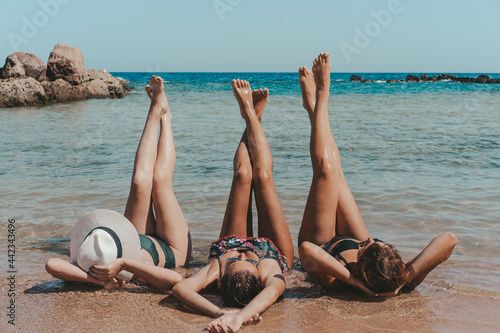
[344, 245]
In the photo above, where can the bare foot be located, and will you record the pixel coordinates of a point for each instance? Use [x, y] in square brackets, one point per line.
[159, 101]
[260, 97]
[243, 94]
[308, 87]
[321, 70]
[149, 91]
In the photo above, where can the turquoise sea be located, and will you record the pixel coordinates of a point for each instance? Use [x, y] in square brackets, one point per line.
[420, 158]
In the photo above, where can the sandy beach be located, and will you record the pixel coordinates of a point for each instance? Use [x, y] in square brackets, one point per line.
[45, 304]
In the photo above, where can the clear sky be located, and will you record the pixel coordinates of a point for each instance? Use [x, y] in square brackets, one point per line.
[260, 35]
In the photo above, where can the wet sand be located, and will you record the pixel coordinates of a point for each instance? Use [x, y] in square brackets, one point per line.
[45, 304]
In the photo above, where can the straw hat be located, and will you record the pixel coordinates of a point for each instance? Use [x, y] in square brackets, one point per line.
[101, 236]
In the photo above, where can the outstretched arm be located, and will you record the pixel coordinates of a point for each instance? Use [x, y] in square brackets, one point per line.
[161, 278]
[438, 250]
[65, 270]
[187, 290]
[326, 268]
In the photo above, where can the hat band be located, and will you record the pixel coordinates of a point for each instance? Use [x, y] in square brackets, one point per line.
[114, 236]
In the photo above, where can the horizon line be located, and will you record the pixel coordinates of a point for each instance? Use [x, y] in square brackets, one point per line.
[267, 72]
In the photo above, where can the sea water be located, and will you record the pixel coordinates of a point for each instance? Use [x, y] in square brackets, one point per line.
[420, 159]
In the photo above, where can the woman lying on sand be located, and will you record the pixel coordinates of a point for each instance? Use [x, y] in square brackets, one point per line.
[159, 241]
[334, 243]
[248, 271]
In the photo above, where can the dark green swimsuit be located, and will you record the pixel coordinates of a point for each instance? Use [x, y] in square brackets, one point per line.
[148, 245]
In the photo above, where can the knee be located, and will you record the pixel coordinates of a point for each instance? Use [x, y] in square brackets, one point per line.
[243, 174]
[141, 182]
[326, 168]
[161, 178]
[262, 176]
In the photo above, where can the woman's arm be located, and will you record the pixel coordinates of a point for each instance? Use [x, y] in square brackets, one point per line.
[326, 268]
[161, 278]
[187, 290]
[438, 250]
[65, 270]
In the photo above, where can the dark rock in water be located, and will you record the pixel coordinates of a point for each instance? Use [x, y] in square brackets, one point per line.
[432, 78]
[13, 67]
[443, 77]
[24, 91]
[465, 79]
[63, 79]
[483, 79]
[423, 77]
[356, 78]
[391, 81]
[412, 78]
[367, 81]
[400, 80]
[33, 66]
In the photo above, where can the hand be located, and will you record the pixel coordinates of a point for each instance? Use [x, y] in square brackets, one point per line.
[250, 321]
[107, 272]
[231, 321]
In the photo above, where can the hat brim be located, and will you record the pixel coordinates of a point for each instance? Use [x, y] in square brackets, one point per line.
[126, 232]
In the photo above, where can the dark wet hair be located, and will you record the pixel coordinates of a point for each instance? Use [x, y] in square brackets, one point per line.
[381, 268]
[238, 289]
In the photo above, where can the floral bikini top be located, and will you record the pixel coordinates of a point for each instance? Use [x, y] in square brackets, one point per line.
[264, 248]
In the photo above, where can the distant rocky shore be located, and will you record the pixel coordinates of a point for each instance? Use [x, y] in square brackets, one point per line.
[425, 78]
[26, 80]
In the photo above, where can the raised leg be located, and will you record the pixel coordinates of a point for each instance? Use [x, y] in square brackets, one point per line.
[238, 217]
[272, 222]
[171, 226]
[139, 205]
[330, 209]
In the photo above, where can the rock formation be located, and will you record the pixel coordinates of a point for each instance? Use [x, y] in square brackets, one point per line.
[424, 78]
[356, 78]
[25, 79]
[412, 78]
